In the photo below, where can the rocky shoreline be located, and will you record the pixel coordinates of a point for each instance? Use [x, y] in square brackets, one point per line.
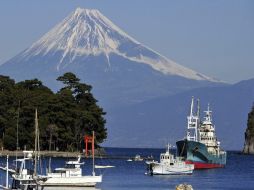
[249, 134]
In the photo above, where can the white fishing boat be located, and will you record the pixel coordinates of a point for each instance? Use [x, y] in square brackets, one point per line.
[138, 158]
[70, 176]
[23, 179]
[6, 175]
[169, 165]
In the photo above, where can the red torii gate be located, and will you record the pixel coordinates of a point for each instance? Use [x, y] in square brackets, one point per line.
[89, 139]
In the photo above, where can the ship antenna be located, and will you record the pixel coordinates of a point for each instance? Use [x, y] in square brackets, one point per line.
[168, 146]
[191, 111]
[198, 120]
[198, 110]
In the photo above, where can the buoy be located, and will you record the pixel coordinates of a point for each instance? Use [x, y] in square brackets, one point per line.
[184, 187]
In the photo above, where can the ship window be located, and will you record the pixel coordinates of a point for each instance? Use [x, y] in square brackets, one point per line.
[70, 166]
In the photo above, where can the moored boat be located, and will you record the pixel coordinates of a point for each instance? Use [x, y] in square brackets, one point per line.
[70, 175]
[138, 158]
[23, 179]
[169, 165]
[200, 146]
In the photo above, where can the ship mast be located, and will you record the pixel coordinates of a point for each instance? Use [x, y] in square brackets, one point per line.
[193, 121]
[198, 122]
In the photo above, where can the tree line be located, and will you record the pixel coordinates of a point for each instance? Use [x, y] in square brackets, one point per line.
[64, 117]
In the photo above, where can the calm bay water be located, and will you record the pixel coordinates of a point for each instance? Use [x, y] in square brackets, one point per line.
[238, 173]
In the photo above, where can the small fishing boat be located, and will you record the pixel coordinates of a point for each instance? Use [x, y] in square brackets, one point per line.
[6, 175]
[23, 179]
[169, 165]
[70, 175]
[138, 158]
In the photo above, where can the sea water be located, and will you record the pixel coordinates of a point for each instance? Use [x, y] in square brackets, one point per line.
[238, 173]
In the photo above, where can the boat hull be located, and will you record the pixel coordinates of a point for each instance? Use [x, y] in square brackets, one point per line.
[196, 153]
[84, 181]
[161, 170]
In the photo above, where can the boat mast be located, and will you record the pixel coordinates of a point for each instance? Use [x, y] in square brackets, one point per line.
[35, 143]
[50, 139]
[93, 154]
[17, 132]
[7, 172]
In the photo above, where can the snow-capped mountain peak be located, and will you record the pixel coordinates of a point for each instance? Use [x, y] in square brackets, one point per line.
[88, 32]
[83, 32]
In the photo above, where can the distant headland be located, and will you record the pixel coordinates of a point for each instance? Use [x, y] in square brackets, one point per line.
[249, 134]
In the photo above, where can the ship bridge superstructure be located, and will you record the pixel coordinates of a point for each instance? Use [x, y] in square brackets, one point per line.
[207, 134]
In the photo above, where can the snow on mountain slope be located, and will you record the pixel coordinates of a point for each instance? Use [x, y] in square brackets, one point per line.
[87, 32]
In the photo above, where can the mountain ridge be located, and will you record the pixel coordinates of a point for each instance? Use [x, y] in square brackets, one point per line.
[120, 69]
[87, 32]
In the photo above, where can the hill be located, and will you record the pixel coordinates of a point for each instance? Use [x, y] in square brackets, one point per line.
[156, 122]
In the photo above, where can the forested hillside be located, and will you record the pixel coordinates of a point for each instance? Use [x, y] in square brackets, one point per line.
[64, 117]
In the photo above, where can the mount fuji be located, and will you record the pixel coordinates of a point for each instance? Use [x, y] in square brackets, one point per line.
[121, 70]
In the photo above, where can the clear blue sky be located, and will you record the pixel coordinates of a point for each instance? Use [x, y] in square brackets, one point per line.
[214, 37]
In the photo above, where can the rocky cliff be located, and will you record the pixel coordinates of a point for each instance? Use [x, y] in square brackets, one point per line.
[249, 134]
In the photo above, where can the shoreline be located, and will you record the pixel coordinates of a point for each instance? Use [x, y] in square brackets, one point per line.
[42, 153]
[60, 154]
[98, 153]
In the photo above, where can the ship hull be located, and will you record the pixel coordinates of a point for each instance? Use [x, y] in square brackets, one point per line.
[196, 153]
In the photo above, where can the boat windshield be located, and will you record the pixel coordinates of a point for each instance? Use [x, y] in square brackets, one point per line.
[70, 166]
